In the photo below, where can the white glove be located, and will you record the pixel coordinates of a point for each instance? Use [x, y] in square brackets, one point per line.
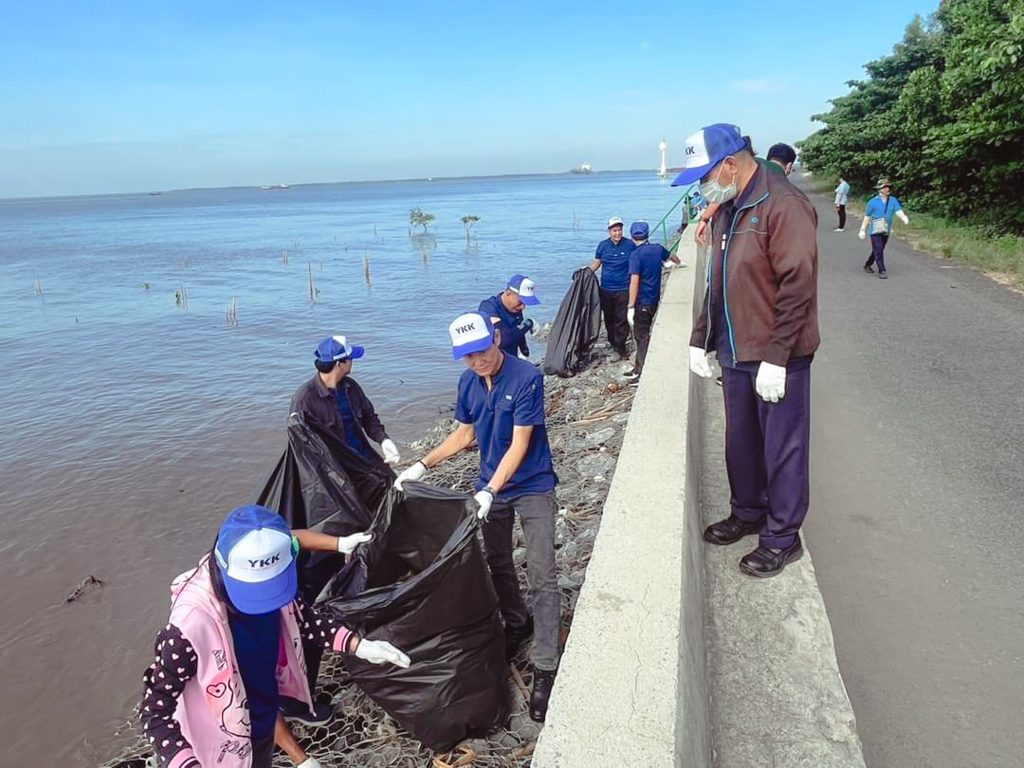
[862, 235]
[484, 499]
[903, 217]
[699, 363]
[771, 382]
[381, 651]
[391, 454]
[630, 315]
[416, 472]
[309, 762]
[347, 544]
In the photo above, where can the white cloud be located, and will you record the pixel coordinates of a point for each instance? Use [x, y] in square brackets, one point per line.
[758, 86]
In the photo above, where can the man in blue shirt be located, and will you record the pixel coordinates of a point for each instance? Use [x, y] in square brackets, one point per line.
[500, 407]
[645, 263]
[612, 258]
[878, 214]
[506, 314]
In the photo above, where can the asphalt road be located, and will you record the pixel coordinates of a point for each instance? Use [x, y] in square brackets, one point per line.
[917, 501]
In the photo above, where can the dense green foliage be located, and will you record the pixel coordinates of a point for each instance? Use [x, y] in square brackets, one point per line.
[942, 116]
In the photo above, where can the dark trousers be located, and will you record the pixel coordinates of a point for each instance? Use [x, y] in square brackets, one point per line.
[613, 306]
[878, 252]
[537, 515]
[643, 319]
[841, 210]
[263, 753]
[767, 453]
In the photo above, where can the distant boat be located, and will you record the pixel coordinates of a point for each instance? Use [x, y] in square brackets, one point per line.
[582, 168]
[156, 193]
[275, 186]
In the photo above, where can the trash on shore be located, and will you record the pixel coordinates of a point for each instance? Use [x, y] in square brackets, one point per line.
[586, 421]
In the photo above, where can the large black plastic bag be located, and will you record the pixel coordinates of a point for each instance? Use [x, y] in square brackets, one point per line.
[321, 484]
[576, 327]
[422, 584]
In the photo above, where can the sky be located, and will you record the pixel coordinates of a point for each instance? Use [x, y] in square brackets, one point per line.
[106, 97]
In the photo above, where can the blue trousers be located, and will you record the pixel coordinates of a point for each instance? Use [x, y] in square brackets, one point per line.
[767, 453]
[878, 252]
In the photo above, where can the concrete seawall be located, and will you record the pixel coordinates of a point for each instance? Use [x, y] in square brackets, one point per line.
[675, 659]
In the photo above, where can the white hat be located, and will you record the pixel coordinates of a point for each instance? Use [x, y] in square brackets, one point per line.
[471, 332]
[614, 221]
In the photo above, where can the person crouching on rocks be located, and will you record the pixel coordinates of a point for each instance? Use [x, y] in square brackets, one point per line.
[233, 645]
[500, 406]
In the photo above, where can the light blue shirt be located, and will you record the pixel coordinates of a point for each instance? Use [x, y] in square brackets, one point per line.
[842, 193]
[877, 208]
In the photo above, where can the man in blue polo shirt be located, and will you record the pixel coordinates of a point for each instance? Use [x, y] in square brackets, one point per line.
[612, 258]
[505, 312]
[645, 263]
[500, 406]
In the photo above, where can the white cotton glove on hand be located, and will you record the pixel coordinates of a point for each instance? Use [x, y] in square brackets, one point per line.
[416, 472]
[771, 382]
[484, 499]
[309, 762]
[391, 454]
[862, 234]
[381, 652]
[699, 363]
[630, 316]
[903, 217]
[348, 544]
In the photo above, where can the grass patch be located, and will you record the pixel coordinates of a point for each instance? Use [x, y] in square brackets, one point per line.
[1000, 256]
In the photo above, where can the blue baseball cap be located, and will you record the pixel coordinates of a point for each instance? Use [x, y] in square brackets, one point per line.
[526, 288]
[707, 148]
[471, 332]
[337, 348]
[639, 229]
[255, 556]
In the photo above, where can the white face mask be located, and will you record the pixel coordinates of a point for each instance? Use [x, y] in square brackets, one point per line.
[714, 192]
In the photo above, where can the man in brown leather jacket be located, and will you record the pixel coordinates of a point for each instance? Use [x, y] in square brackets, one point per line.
[760, 316]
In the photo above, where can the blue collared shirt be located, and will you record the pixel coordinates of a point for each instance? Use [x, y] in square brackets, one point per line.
[516, 399]
[646, 261]
[513, 336]
[882, 209]
[614, 263]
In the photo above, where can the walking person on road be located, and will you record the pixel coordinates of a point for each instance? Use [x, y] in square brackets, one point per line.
[500, 407]
[645, 265]
[760, 316]
[612, 258]
[333, 400]
[506, 313]
[842, 198]
[878, 215]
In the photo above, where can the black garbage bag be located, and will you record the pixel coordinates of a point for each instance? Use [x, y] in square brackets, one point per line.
[422, 584]
[576, 326]
[321, 484]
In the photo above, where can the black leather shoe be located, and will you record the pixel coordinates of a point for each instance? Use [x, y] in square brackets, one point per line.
[730, 530]
[768, 561]
[543, 682]
[516, 636]
[869, 269]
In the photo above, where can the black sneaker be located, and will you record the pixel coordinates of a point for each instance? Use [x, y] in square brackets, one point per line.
[516, 636]
[730, 530]
[297, 712]
[543, 682]
[869, 269]
[769, 561]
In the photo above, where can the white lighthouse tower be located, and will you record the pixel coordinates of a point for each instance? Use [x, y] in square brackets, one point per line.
[663, 171]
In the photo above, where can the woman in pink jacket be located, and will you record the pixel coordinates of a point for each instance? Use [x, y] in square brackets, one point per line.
[233, 646]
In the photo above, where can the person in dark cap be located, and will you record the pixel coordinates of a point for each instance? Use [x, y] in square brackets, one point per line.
[760, 316]
[506, 314]
[333, 400]
[645, 264]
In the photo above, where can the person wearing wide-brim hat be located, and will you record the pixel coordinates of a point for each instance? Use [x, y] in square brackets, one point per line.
[233, 646]
[878, 216]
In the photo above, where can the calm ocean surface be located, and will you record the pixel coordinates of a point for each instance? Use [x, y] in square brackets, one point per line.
[132, 424]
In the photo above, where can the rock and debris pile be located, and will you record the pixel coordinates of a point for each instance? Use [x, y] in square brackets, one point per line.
[587, 416]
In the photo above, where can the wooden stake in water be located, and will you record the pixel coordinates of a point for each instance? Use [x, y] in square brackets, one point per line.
[366, 268]
[232, 314]
[39, 287]
[181, 297]
[313, 290]
[284, 258]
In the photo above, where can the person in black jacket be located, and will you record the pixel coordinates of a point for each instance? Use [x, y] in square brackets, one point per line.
[333, 400]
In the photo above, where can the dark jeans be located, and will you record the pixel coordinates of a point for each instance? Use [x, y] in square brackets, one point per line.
[263, 753]
[537, 515]
[643, 319]
[613, 307]
[841, 210]
[878, 252]
[767, 453]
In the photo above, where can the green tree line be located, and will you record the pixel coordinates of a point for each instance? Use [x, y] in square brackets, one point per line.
[942, 116]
